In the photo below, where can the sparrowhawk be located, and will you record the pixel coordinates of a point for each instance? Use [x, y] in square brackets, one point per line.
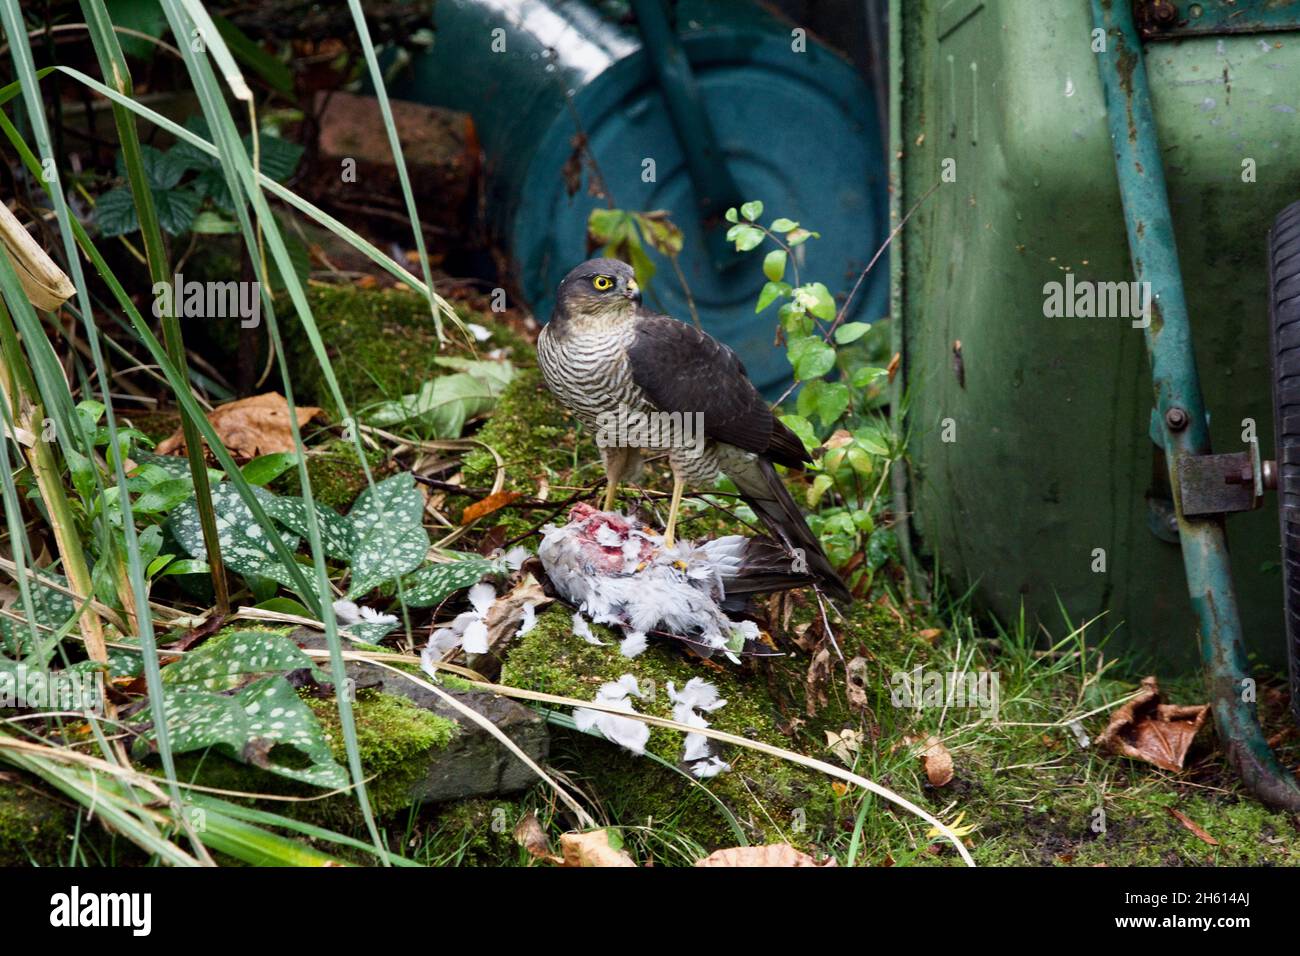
[608, 360]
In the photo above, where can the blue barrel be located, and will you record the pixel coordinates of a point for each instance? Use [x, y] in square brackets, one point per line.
[795, 124]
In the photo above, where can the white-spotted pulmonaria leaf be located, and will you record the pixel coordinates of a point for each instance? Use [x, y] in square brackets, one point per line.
[53, 609]
[229, 659]
[387, 525]
[245, 545]
[336, 534]
[385, 553]
[394, 500]
[436, 582]
[249, 726]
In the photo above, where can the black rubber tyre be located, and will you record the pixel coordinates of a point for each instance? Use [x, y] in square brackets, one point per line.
[1284, 326]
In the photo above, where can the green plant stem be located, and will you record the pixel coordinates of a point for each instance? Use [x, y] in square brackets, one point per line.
[113, 65]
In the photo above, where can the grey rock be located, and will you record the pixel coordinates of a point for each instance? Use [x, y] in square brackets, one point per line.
[475, 763]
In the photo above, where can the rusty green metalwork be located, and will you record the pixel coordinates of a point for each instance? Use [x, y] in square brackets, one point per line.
[1179, 404]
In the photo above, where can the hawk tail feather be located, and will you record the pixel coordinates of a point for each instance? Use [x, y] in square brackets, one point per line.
[762, 489]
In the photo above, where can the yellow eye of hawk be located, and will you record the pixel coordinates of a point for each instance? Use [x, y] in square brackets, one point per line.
[602, 283]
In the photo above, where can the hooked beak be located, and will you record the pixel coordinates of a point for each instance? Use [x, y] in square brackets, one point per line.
[632, 290]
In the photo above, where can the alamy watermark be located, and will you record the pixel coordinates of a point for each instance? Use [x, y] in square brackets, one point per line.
[209, 300]
[631, 428]
[1098, 300]
[34, 688]
[926, 688]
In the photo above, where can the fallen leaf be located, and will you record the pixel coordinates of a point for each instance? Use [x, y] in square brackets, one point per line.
[773, 854]
[488, 505]
[956, 827]
[591, 849]
[937, 762]
[249, 427]
[845, 745]
[892, 368]
[819, 675]
[930, 635]
[856, 685]
[1194, 827]
[1145, 729]
[503, 621]
[530, 835]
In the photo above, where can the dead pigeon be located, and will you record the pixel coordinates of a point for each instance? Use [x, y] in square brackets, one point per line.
[617, 572]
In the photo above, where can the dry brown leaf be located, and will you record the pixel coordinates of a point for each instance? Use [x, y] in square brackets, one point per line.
[530, 835]
[856, 686]
[937, 762]
[894, 363]
[1145, 729]
[249, 427]
[503, 620]
[819, 675]
[839, 438]
[773, 854]
[930, 635]
[846, 745]
[488, 505]
[1194, 827]
[591, 849]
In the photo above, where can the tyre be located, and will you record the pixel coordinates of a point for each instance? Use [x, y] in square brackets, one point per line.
[1284, 326]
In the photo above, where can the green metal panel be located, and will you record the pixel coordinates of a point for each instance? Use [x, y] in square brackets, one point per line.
[1051, 457]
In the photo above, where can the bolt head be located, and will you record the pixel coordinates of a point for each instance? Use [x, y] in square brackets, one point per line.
[1176, 419]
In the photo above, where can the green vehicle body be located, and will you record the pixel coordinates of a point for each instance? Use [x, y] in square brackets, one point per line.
[1034, 475]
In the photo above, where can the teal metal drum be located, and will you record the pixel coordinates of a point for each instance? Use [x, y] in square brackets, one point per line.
[794, 123]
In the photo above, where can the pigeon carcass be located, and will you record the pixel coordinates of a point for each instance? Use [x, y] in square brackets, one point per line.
[617, 572]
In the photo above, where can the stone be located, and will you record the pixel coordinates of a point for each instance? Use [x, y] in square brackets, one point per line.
[475, 763]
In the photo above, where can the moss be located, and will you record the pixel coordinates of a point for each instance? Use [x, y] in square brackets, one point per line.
[381, 344]
[475, 832]
[394, 737]
[336, 475]
[770, 798]
[35, 828]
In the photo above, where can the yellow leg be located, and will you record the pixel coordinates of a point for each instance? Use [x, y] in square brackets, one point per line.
[611, 489]
[670, 536]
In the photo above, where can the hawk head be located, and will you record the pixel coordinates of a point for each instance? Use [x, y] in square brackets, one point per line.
[598, 289]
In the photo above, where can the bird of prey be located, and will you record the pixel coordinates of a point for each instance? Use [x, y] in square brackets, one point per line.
[608, 360]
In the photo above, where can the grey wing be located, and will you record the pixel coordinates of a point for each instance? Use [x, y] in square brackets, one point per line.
[682, 369]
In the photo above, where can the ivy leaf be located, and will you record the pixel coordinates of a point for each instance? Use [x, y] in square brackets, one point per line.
[797, 237]
[752, 210]
[732, 215]
[435, 583]
[784, 225]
